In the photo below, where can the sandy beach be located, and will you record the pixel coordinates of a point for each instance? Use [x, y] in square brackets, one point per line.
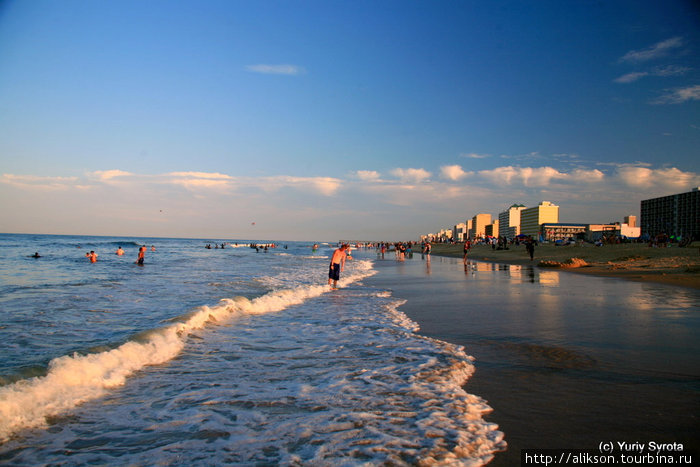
[564, 360]
[639, 262]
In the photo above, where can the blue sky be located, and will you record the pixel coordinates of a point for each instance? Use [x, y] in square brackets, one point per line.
[329, 119]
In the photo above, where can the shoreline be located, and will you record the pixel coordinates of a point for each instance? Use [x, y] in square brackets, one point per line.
[636, 262]
[563, 361]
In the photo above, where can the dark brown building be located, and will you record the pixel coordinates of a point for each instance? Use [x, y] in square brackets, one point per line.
[674, 215]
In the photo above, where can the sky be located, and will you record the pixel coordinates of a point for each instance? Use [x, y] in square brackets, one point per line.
[326, 120]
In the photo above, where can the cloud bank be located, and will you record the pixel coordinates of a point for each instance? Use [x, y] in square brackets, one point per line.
[366, 203]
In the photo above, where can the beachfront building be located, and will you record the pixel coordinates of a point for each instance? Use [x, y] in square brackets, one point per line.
[599, 231]
[553, 231]
[459, 232]
[532, 218]
[444, 235]
[675, 215]
[492, 229]
[479, 223]
[509, 221]
[629, 227]
[614, 229]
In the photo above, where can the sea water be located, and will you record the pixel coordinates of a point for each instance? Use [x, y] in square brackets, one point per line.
[220, 356]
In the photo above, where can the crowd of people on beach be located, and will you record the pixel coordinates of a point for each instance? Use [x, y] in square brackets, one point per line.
[496, 243]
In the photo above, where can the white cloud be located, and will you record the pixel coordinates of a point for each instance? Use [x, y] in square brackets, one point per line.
[679, 95]
[631, 77]
[36, 182]
[411, 175]
[276, 69]
[670, 70]
[500, 174]
[662, 71]
[105, 175]
[587, 176]
[158, 204]
[635, 176]
[534, 177]
[528, 176]
[473, 155]
[657, 50]
[367, 175]
[194, 183]
[540, 176]
[199, 180]
[207, 175]
[326, 186]
[452, 172]
[645, 178]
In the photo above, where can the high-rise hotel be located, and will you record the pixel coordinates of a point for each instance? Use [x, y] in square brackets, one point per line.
[509, 221]
[674, 215]
[532, 218]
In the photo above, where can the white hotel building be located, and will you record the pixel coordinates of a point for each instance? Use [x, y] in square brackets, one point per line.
[509, 221]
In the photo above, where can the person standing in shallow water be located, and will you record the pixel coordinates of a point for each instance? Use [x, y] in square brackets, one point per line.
[142, 256]
[337, 265]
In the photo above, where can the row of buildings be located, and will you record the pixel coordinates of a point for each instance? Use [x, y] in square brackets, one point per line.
[676, 216]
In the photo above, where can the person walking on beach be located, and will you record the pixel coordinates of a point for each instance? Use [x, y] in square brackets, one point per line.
[142, 255]
[337, 265]
[530, 247]
[467, 247]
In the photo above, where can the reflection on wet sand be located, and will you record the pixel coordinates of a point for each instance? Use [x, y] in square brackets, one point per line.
[564, 359]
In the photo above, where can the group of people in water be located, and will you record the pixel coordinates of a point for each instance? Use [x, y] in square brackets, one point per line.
[92, 256]
[216, 246]
[255, 246]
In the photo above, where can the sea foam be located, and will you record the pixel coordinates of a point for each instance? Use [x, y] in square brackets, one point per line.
[74, 379]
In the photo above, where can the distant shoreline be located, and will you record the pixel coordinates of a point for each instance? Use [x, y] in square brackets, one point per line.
[637, 262]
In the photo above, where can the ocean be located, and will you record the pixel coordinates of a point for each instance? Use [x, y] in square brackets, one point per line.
[221, 356]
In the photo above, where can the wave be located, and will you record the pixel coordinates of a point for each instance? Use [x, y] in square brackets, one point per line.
[91, 243]
[74, 379]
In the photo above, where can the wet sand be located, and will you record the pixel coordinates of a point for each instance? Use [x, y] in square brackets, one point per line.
[564, 360]
[638, 262]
